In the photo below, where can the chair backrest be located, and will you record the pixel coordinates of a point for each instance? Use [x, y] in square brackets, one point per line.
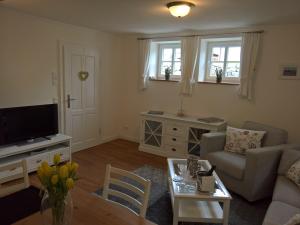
[274, 136]
[16, 178]
[121, 178]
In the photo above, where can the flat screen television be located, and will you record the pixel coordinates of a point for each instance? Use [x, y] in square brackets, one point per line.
[19, 124]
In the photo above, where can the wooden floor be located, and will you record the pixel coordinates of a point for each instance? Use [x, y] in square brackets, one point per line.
[119, 153]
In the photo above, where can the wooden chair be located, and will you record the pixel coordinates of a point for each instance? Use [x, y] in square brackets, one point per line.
[16, 180]
[120, 179]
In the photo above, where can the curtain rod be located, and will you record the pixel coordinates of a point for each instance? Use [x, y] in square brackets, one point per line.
[202, 35]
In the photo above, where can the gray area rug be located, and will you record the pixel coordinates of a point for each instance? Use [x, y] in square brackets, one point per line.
[159, 210]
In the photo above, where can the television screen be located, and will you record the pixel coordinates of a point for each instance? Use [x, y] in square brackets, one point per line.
[23, 123]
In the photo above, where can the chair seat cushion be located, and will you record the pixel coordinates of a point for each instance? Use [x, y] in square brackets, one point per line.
[279, 213]
[229, 163]
[286, 191]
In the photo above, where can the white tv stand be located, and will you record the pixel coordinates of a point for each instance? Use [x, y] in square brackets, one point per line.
[36, 152]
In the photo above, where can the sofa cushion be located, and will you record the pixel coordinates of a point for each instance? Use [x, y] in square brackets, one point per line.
[240, 140]
[295, 220]
[294, 173]
[274, 136]
[229, 163]
[279, 213]
[286, 191]
[288, 158]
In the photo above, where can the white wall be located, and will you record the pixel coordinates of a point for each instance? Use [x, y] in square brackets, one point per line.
[277, 102]
[29, 55]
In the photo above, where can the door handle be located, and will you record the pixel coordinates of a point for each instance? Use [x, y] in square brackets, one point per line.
[69, 99]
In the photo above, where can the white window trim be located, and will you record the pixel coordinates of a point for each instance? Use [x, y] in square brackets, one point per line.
[159, 60]
[208, 60]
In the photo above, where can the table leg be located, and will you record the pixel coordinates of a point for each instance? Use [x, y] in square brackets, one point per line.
[175, 212]
[226, 212]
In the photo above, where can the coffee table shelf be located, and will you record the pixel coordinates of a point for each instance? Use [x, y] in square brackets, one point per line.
[193, 206]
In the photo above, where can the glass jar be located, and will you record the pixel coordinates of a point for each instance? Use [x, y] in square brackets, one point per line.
[56, 210]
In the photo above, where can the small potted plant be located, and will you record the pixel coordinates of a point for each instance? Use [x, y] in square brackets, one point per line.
[219, 75]
[57, 181]
[168, 72]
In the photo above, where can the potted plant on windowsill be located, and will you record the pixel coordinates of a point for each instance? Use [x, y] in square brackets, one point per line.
[219, 75]
[168, 72]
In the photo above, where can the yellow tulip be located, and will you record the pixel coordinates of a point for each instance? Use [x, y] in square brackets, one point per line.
[74, 167]
[46, 169]
[56, 159]
[63, 171]
[69, 165]
[54, 179]
[40, 173]
[70, 183]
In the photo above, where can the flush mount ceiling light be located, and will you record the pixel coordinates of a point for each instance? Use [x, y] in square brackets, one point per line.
[180, 8]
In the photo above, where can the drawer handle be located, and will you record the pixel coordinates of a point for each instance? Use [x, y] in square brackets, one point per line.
[38, 161]
[174, 139]
[174, 149]
[174, 128]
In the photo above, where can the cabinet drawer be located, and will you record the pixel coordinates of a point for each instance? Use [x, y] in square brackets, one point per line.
[34, 162]
[11, 172]
[178, 149]
[176, 130]
[174, 140]
[63, 152]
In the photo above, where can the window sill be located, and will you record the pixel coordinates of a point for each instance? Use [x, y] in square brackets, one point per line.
[222, 83]
[163, 80]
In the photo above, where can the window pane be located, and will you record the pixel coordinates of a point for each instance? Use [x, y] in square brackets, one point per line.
[177, 54]
[167, 54]
[213, 68]
[232, 70]
[165, 65]
[218, 54]
[177, 68]
[234, 54]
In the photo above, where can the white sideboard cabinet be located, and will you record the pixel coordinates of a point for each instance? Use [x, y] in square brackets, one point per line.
[172, 136]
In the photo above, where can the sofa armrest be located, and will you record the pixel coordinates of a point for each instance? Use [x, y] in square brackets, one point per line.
[212, 142]
[261, 170]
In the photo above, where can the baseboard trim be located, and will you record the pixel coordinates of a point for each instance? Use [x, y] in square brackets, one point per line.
[108, 139]
[129, 138]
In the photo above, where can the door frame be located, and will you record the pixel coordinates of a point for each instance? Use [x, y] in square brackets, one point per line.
[61, 84]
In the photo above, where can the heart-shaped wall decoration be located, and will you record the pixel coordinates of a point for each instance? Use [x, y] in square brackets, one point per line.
[83, 75]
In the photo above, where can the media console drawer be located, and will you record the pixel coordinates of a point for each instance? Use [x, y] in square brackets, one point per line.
[35, 161]
[63, 152]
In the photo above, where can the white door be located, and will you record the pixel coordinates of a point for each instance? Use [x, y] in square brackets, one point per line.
[81, 77]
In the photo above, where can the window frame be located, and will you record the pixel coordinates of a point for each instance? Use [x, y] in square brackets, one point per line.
[161, 46]
[226, 44]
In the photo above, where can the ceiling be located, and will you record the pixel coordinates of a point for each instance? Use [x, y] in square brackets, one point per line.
[151, 16]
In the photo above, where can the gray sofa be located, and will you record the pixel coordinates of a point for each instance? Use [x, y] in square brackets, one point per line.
[252, 175]
[286, 196]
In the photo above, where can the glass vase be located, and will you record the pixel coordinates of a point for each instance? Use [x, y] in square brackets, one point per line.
[56, 210]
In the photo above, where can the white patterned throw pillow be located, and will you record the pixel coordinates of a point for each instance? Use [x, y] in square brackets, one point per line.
[295, 220]
[294, 173]
[239, 140]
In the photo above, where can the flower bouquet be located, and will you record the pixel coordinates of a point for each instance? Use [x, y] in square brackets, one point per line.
[57, 181]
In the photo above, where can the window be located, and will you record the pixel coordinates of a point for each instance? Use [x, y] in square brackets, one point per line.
[225, 56]
[169, 57]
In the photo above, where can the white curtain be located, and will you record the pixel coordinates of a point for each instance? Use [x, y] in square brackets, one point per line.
[250, 48]
[144, 56]
[189, 58]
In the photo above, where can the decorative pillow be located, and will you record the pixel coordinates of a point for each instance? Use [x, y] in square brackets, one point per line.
[295, 220]
[239, 140]
[294, 173]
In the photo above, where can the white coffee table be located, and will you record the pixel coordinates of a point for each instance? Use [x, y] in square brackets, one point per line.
[192, 206]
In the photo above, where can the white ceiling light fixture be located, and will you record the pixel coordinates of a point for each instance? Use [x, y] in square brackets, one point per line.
[180, 8]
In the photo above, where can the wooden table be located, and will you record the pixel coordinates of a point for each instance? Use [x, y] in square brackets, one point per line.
[92, 210]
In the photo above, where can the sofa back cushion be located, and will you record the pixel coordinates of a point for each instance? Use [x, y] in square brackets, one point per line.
[288, 158]
[273, 136]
